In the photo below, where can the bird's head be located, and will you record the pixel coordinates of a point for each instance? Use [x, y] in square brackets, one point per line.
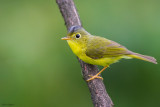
[77, 34]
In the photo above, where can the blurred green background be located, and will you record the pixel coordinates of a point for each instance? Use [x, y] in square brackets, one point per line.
[38, 69]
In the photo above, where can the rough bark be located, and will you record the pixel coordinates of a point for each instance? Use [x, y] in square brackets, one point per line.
[99, 96]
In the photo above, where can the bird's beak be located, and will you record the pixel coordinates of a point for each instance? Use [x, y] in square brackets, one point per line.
[66, 38]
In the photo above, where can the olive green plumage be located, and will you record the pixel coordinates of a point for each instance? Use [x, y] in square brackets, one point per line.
[98, 50]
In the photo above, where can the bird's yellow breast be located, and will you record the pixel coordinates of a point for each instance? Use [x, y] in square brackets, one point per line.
[79, 51]
[76, 48]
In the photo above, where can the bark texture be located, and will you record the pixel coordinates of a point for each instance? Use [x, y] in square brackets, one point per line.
[99, 96]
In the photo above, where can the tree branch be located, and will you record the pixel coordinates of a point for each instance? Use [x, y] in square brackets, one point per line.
[99, 96]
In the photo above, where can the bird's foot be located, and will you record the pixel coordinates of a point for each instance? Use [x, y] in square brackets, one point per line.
[93, 77]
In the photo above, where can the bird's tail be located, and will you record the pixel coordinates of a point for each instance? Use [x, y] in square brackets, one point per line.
[143, 57]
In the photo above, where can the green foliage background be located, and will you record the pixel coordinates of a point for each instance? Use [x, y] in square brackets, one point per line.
[38, 69]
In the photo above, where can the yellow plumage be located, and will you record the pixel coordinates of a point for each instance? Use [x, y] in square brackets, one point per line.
[98, 50]
[79, 51]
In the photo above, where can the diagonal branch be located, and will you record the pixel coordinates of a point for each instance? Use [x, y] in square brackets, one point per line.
[99, 96]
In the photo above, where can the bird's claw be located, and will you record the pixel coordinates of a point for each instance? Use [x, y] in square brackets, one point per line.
[93, 77]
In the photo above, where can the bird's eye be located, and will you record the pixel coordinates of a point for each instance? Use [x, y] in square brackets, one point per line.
[78, 35]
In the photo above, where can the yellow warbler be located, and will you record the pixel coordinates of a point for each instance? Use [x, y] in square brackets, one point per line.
[98, 50]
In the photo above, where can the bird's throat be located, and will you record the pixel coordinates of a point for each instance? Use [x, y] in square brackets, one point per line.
[76, 48]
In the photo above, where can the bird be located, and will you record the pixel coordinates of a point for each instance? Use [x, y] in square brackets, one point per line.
[98, 50]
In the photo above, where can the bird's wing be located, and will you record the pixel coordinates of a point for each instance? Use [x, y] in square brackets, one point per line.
[98, 47]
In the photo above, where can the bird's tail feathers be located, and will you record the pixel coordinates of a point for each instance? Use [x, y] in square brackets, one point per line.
[143, 57]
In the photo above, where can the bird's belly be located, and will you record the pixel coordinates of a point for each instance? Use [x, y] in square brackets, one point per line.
[101, 61]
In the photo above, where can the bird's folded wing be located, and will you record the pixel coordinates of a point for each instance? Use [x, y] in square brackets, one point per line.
[100, 48]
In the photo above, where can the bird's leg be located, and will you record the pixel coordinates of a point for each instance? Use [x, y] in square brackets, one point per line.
[97, 75]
